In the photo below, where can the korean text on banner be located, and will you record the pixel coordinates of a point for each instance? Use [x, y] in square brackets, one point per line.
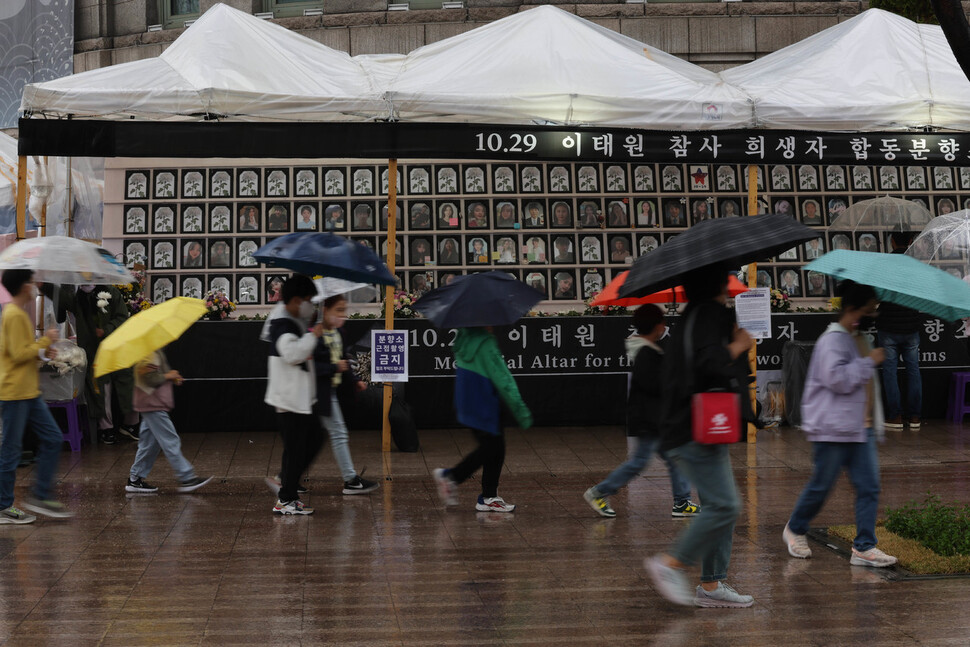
[389, 356]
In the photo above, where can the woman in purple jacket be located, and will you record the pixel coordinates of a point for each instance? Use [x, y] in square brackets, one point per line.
[841, 415]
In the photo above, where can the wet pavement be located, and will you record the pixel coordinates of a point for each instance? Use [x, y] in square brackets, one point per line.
[216, 567]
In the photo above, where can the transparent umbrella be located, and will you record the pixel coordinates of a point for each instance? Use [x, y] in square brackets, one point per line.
[885, 214]
[945, 243]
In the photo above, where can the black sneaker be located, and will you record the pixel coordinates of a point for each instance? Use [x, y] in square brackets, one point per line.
[193, 484]
[129, 430]
[108, 437]
[359, 486]
[139, 485]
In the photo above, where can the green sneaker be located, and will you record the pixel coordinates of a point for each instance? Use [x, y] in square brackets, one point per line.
[48, 508]
[686, 509]
[599, 503]
[16, 515]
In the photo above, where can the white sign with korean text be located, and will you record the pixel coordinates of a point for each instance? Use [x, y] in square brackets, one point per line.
[389, 356]
[753, 309]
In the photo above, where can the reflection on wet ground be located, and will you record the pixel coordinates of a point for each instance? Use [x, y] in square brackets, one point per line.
[217, 568]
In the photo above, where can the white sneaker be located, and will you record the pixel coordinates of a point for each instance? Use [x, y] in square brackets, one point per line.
[291, 507]
[447, 488]
[493, 504]
[797, 544]
[722, 597]
[872, 557]
[670, 582]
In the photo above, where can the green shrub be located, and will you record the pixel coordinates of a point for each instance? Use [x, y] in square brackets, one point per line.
[942, 528]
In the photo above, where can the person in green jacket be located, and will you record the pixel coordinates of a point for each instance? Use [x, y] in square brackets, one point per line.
[482, 382]
[93, 323]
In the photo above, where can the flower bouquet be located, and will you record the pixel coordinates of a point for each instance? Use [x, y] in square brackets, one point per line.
[403, 305]
[62, 378]
[780, 301]
[601, 310]
[134, 293]
[218, 306]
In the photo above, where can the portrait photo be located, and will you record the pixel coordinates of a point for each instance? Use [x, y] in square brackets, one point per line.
[789, 282]
[729, 209]
[643, 178]
[306, 217]
[592, 284]
[135, 220]
[274, 288]
[247, 289]
[163, 255]
[533, 215]
[363, 218]
[163, 220]
[447, 179]
[535, 250]
[398, 217]
[868, 243]
[421, 251]
[616, 215]
[811, 213]
[220, 254]
[559, 179]
[562, 215]
[193, 254]
[445, 278]
[647, 244]
[647, 214]
[420, 216]
[477, 251]
[334, 218]
[136, 185]
[245, 248]
[807, 178]
[163, 289]
[944, 206]
[531, 179]
[841, 241]
[835, 207]
[448, 215]
[620, 249]
[420, 282]
[888, 178]
[563, 250]
[505, 214]
[398, 251]
[764, 279]
[565, 285]
[476, 215]
[700, 210]
[503, 179]
[278, 218]
[448, 253]
[814, 248]
[674, 214]
[782, 207]
[136, 253]
[817, 285]
[220, 184]
[589, 214]
[191, 287]
[248, 218]
[591, 249]
[537, 281]
[506, 248]
[333, 182]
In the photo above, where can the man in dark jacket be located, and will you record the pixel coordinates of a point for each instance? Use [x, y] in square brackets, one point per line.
[898, 331]
[644, 405]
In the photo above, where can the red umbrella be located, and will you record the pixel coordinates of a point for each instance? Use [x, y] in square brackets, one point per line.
[610, 294]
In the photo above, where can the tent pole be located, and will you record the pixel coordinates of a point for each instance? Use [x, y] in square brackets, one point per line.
[389, 294]
[753, 283]
[21, 197]
[70, 198]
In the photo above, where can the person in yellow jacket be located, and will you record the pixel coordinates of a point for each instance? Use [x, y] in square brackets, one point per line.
[20, 404]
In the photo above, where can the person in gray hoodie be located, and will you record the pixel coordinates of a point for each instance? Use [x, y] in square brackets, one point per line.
[644, 405]
[842, 417]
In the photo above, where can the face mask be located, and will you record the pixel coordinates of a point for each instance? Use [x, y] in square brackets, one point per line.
[306, 310]
[335, 321]
[88, 288]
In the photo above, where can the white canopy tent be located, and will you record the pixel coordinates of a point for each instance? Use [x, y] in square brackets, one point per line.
[877, 71]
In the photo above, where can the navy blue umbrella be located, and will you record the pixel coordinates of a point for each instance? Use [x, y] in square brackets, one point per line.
[486, 299]
[313, 253]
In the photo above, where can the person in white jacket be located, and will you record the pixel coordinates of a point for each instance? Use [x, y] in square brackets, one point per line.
[292, 387]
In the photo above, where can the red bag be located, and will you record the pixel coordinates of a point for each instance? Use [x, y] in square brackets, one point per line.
[716, 417]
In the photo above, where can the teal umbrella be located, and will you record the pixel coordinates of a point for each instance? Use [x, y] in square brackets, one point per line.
[899, 279]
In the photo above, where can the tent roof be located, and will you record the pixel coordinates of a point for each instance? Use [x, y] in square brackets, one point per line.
[227, 63]
[876, 71]
[546, 65]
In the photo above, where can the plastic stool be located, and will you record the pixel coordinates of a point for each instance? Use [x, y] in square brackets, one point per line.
[74, 435]
[958, 406]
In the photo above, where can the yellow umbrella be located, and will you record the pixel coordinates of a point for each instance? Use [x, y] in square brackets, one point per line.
[146, 332]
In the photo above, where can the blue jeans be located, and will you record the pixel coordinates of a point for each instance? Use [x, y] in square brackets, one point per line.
[158, 435]
[709, 537]
[634, 464]
[16, 414]
[862, 463]
[337, 430]
[906, 346]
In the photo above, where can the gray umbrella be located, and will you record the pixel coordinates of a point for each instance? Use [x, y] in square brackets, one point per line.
[882, 214]
[730, 241]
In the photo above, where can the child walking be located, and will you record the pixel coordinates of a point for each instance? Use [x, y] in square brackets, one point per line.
[841, 415]
[21, 404]
[291, 388]
[333, 375]
[153, 398]
[644, 404]
[481, 378]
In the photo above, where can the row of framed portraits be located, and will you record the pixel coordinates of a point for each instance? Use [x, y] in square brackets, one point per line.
[498, 213]
[530, 178]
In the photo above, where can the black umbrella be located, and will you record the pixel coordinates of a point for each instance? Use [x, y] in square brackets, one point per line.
[729, 241]
[486, 299]
[325, 254]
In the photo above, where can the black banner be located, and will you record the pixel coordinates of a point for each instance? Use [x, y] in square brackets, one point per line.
[93, 138]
